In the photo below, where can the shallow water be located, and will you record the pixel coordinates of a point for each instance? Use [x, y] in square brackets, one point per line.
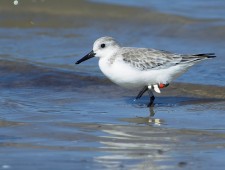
[55, 115]
[194, 8]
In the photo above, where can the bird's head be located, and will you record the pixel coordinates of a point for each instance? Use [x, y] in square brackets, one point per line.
[104, 46]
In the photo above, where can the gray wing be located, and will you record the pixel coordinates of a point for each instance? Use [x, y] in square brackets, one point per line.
[145, 59]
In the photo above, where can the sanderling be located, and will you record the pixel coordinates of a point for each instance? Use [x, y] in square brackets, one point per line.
[145, 68]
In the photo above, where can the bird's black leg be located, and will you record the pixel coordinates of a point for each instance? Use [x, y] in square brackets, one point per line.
[141, 92]
[152, 98]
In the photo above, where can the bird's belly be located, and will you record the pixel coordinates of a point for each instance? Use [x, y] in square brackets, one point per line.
[124, 75]
[128, 77]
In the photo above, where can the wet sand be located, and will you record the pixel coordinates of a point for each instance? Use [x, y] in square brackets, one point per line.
[79, 13]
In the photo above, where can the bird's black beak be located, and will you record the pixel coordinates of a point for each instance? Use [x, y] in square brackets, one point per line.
[88, 56]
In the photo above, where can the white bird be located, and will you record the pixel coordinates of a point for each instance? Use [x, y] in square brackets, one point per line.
[145, 68]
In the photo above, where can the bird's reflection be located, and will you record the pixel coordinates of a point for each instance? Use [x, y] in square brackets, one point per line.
[152, 111]
[150, 120]
[137, 144]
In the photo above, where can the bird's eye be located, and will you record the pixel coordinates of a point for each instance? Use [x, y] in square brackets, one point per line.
[103, 45]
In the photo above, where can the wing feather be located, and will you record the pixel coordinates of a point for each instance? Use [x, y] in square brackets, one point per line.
[146, 58]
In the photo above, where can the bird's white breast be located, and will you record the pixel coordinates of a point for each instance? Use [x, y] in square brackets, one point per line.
[120, 73]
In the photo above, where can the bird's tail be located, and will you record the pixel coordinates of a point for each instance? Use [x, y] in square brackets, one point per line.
[206, 55]
[197, 57]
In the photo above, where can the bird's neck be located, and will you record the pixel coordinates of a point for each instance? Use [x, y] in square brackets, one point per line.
[105, 65]
[106, 62]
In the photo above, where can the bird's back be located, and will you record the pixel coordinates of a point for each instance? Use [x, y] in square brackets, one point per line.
[147, 59]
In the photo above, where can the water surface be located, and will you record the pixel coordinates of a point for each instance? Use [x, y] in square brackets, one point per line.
[55, 115]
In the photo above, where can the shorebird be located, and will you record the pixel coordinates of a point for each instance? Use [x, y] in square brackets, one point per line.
[145, 68]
